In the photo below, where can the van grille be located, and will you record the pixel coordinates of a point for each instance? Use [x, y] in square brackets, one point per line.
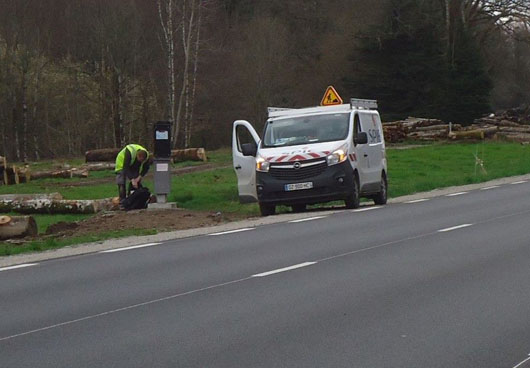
[292, 174]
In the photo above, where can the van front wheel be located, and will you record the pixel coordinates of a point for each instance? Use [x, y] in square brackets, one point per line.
[353, 200]
[267, 209]
[381, 197]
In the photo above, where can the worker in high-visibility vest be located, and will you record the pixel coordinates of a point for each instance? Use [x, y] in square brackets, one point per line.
[132, 163]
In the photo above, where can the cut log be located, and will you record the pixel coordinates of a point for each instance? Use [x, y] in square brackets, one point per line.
[25, 197]
[433, 127]
[104, 154]
[467, 134]
[189, 154]
[66, 174]
[18, 227]
[99, 166]
[48, 206]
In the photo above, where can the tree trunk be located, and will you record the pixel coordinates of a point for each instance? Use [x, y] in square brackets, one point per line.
[18, 227]
[468, 134]
[189, 154]
[103, 154]
[47, 206]
[25, 197]
[66, 174]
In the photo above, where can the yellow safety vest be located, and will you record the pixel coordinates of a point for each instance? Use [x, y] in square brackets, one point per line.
[133, 149]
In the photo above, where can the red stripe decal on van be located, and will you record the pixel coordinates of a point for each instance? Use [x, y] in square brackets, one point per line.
[297, 158]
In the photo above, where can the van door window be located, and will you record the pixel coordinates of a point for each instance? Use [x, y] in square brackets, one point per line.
[370, 125]
[356, 127]
[243, 136]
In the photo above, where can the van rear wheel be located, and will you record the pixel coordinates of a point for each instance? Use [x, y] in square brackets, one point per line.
[353, 200]
[267, 209]
[381, 197]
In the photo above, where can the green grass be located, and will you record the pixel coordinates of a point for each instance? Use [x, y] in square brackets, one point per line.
[7, 249]
[436, 166]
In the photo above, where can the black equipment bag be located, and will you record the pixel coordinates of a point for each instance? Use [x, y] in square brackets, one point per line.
[137, 199]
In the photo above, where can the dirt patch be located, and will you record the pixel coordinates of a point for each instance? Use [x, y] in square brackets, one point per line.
[161, 220]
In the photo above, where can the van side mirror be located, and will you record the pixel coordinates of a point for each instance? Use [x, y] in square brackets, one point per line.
[362, 138]
[249, 149]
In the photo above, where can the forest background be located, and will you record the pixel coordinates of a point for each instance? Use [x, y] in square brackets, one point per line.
[86, 74]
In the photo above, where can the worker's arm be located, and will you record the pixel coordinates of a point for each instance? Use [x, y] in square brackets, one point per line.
[127, 163]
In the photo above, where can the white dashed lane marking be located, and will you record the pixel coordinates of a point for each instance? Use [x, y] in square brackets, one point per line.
[492, 187]
[454, 228]
[308, 219]
[232, 231]
[366, 209]
[129, 248]
[455, 194]
[18, 266]
[518, 182]
[418, 200]
[305, 264]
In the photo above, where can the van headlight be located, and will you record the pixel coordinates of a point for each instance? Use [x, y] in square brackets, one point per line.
[262, 165]
[336, 157]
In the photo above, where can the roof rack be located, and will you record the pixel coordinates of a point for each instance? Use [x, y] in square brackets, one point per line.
[363, 104]
[355, 103]
[275, 112]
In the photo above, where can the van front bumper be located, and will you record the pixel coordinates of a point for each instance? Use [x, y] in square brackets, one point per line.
[334, 183]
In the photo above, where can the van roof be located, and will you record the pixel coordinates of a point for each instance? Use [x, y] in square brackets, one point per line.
[355, 103]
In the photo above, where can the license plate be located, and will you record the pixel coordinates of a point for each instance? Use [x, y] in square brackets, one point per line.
[298, 186]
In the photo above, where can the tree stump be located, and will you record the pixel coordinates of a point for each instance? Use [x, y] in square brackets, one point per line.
[17, 227]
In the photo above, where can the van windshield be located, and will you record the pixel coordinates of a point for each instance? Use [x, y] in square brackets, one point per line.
[306, 129]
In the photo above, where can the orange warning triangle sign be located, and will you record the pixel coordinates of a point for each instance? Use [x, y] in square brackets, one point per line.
[331, 97]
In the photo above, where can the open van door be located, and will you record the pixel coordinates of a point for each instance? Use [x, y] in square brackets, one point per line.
[245, 142]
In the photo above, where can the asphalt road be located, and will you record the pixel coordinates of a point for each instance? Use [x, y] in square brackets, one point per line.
[443, 282]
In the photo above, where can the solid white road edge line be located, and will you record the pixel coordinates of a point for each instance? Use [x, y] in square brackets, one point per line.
[455, 194]
[454, 228]
[308, 219]
[366, 209]
[418, 200]
[232, 231]
[492, 187]
[128, 248]
[518, 182]
[18, 266]
[305, 264]
[524, 361]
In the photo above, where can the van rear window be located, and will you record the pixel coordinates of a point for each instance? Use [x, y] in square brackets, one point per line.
[306, 130]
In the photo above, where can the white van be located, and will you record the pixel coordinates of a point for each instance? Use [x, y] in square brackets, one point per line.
[312, 155]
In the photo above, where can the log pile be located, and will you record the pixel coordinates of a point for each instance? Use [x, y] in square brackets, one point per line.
[17, 227]
[417, 129]
[512, 124]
